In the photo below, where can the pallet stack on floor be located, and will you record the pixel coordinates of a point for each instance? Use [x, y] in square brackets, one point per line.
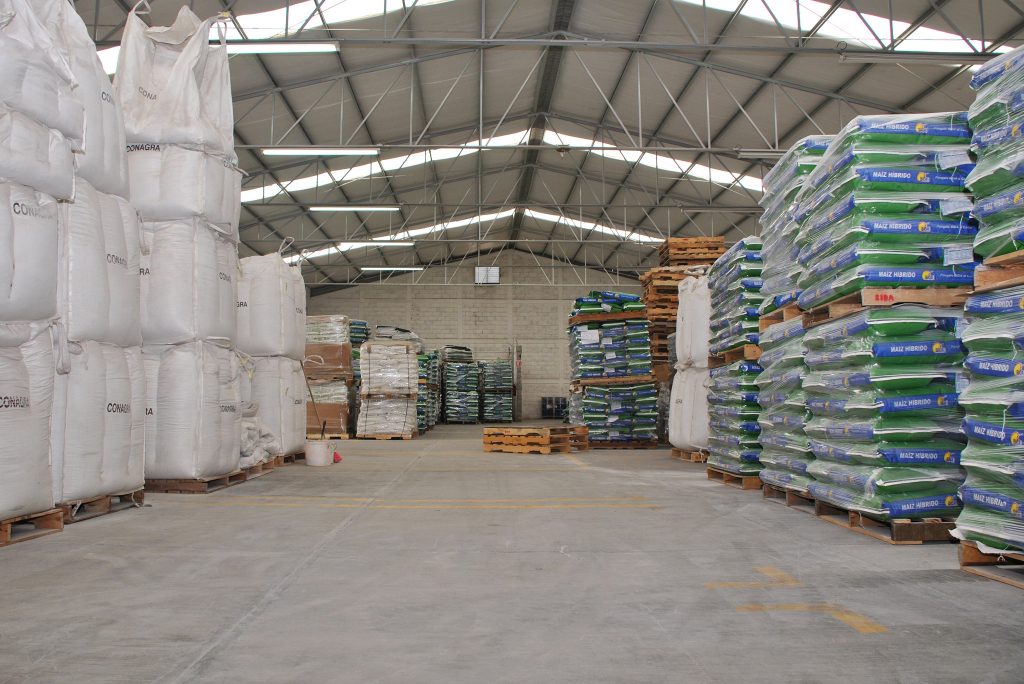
[329, 376]
[387, 393]
[428, 397]
[785, 449]
[735, 284]
[884, 220]
[528, 440]
[991, 526]
[612, 390]
[496, 391]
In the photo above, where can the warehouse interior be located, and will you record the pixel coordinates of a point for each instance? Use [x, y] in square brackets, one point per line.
[511, 340]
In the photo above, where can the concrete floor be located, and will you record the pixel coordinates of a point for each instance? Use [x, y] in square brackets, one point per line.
[430, 561]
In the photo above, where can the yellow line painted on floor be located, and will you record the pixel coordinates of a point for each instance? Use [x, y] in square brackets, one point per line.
[245, 502]
[858, 622]
[778, 577]
[544, 500]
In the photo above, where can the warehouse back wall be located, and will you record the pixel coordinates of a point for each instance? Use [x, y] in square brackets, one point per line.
[443, 306]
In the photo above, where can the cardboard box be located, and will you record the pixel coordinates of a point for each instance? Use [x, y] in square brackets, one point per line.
[336, 416]
[325, 361]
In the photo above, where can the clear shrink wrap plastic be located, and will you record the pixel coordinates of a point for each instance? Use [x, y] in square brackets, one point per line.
[330, 329]
[383, 416]
[388, 367]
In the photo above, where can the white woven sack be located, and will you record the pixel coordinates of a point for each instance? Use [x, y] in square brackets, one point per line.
[32, 154]
[173, 85]
[28, 254]
[277, 386]
[101, 159]
[37, 78]
[688, 420]
[99, 284]
[271, 308]
[26, 398]
[170, 182]
[189, 277]
[98, 422]
[193, 421]
[693, 324]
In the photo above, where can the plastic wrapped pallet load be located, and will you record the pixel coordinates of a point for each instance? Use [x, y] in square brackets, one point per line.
[386, 417]
[388, 367]
[28, 254]
[26, 398]
[99, 268]
[98, 422]
[189, 276]
[271, 308]
[277, 385]
[193, 424]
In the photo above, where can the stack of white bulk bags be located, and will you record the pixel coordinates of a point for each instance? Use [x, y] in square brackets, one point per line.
[41, 123]
[272, 333]
[97, 428]
[175, 91]
[688, 413]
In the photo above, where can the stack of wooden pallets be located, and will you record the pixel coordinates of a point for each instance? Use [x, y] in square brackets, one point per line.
[528, 440]
[691, 251]
[661, 297]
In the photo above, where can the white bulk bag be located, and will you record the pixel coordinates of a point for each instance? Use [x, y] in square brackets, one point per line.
[28, 254]
[193, 421]
[693, 324]
[277, 386]
[170, 183]
[173, 85]
[271, 308]
[34, 155]
[688, 420]
[98, 422]
[101, 160]
[36, 78]
[99, 285]
[26, 397]
[189, 276]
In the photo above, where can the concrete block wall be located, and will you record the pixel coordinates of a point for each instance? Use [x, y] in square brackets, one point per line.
[443, 306]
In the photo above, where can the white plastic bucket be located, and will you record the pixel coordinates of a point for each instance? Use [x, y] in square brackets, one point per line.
[320, 452]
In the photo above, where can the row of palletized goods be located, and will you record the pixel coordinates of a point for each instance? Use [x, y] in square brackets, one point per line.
[132, 340]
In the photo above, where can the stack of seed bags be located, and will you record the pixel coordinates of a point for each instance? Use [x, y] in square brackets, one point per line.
[615, 349]
[606, 302]
[496, 390]
[733, 409]
[735, 283]
[423, 393]
[785, 451]
[778, 229]
[882, 388]
[461, 387]
[886, 207]
[993, 495]
[433, 387]
[620, 413]
[358, 332]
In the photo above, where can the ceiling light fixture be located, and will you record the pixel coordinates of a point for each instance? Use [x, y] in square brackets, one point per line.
[320, 151]
[374, 269]
[377, 243]
[938, 58]
[277, 47]
[356, 207]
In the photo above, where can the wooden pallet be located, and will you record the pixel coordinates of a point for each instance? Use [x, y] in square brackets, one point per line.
[1006, 567]
[885, 296]
[528, 430]
[292, 458]
[528, 448]
[258, 470]
[1005, 270]
[31, 526]
[786, 313]
[748, 352]
[788, 497]
[899, 531]
[734, 480]
[662, 314]
[579, 437]
[689, 456]
[608, 317]
[527, 440]
[624, 380]
[389, 436]
[638, 444]
[203, 485]
[83, 509]
[385, 395]
[328, 435]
